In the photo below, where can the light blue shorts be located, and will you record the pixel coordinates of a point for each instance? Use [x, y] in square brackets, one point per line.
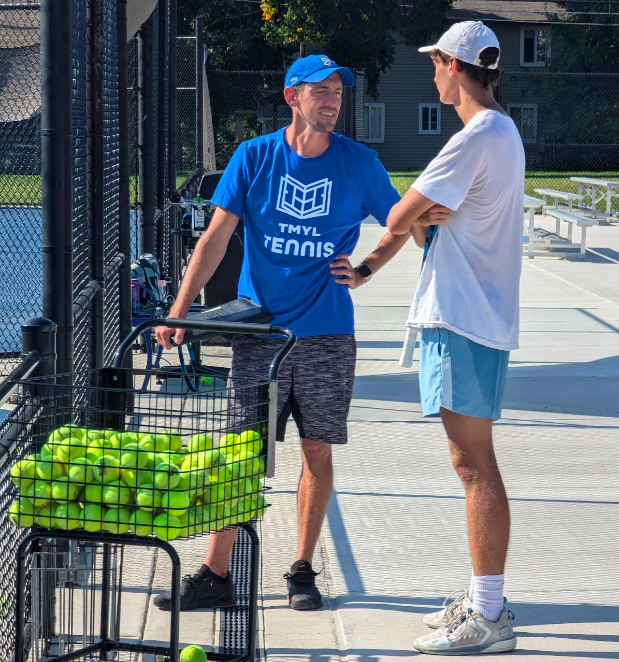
[460, 375]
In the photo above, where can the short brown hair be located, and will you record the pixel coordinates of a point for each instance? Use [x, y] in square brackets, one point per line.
[487, 78]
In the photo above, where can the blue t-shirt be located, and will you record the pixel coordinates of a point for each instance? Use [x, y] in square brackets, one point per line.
[300, 213]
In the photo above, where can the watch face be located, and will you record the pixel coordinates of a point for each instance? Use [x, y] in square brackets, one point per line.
[364, 270]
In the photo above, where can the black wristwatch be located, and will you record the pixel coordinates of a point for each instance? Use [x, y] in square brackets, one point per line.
[364, 271]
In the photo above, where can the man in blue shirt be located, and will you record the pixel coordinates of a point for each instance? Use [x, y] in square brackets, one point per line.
[303, 192]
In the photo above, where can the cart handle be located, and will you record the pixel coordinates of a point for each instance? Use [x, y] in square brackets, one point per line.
[216, 327]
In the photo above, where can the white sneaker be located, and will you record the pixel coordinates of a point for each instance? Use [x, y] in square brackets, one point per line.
[439, 619]
[470, 633]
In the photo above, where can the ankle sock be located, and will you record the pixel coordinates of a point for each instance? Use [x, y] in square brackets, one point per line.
[303, 566]
[488, 596]
[204, 571]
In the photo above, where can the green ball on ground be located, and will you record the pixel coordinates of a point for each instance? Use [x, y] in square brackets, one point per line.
[107, 469]
[22, 512]
[141, 522]
[64, 490]
[40, 493]
[148, 498]
[193, 653]
[167, 476]
[205, 380]
[116, 520]
[175, 502]
[166, 527]
[116, 494]
[68, 516]
[92, 518]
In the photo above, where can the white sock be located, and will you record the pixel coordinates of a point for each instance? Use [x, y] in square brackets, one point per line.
[488, 596]
[472, 586]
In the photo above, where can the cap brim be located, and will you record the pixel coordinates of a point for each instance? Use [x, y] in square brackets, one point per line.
[427, 49]
[348, 78]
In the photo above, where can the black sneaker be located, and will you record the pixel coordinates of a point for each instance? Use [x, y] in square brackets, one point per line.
[198, 592]
[302, 592]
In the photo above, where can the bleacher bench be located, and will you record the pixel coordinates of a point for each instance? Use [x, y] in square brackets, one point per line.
[570, 201]
[572, 220]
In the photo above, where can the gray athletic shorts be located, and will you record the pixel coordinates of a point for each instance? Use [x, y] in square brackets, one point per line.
[315, 381]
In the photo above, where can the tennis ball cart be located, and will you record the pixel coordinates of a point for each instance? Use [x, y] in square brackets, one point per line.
[105, 468]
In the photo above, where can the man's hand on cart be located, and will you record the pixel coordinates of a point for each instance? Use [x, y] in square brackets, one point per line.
[165, 336]
[345, 273]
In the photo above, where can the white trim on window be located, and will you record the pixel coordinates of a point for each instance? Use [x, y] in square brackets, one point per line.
[430, 119]
[535, 62]
[526, 122]
[374, 122]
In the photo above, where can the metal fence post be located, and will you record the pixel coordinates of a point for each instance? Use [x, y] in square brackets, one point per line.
[56, 173]
[146, 139]
[199, 94]
[172, 156]
[124, 242]
[39, 334]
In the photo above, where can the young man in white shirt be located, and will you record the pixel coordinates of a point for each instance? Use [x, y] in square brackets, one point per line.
[466, 307]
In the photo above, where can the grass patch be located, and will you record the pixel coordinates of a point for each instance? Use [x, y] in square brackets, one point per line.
[560, 181]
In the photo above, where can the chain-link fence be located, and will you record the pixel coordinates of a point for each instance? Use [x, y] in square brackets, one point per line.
[20, 174]
[247, 104]
[569, 123]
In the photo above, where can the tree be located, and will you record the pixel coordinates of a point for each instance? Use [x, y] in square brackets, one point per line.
[585, 48]
[356, 33]
[233, 30]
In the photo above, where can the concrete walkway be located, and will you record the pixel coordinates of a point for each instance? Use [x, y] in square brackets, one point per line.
[394, 544]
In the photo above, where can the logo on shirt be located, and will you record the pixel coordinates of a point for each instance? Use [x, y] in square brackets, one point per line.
[304, 201]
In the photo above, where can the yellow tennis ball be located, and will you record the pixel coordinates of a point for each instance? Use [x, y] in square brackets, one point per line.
[141, 522]
[71, 449]
[40, 493]
[200, 442]
[21, 512]
[259, 503]
[94, 493]
[147, 442]
[236, 467]
[173, 440]
[64, 490]
[100, 447]
[175, 502]
[135, 478]
[81, 471]
[166, 527]
[193, 653]
[229, 444]
[49, 469]
[250, 441]
[254, 464]
[23, 474]
[45, 518]
[219, 474]
[116, 520]
[188, 522]
[108, 434]
[92, 518]
[116, 494]
[68, 516]
[92, 435]
[167, 476]
[133, 457]
[214, 493]
[107, 469]
[148, 498]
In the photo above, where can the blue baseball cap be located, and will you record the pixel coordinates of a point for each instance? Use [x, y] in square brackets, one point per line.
[314, 68]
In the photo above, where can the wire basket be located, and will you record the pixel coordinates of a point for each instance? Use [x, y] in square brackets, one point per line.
[104, 456]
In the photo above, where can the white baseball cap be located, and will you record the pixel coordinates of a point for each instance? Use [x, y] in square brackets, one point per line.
[465, 41]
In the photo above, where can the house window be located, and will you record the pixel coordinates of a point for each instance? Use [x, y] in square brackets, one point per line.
[430, 118]
[374, 120]
[525, 118]
[534, 47]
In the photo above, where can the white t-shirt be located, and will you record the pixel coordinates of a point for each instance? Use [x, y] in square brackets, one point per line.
[470, 281]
